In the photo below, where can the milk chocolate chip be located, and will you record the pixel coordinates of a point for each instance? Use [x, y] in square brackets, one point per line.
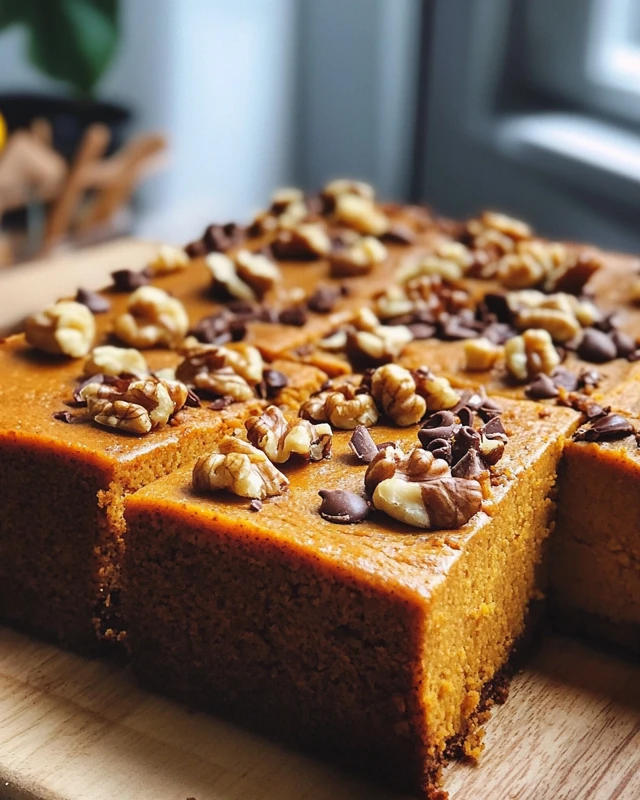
[342, 507]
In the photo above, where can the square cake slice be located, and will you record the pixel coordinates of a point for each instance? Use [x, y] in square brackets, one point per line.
[62, 529]
[378, 643]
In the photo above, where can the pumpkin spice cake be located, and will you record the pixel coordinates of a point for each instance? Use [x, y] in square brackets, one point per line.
[60, 557]
[393, 396]
[382, 640]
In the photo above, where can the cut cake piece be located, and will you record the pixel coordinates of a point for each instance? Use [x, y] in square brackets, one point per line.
[61, 528]
[595, 551]
[380, 644]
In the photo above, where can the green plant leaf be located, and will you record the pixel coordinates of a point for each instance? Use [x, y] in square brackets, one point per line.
[71, 40]
[14, 11]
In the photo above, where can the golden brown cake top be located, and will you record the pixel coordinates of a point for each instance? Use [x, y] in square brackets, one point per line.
[392, 552]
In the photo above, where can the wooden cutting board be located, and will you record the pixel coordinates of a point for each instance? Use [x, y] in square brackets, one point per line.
[78, 729]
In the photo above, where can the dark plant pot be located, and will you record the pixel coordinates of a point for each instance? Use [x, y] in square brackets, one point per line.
[69, 118]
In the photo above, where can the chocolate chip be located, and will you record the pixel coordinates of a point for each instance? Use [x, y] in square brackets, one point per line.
[562, 377]
[460, 326]
[497, 305]
[342, 507]
[489, 409]
[493, 428]
[441, 448]
[193, 401]
[441, 425]
[465, 415]
[470, 398]
[196, 249]
[95, 302]
[221, 402]
[294, 315]
[398, 233]
[363, 445]
[465, 439]
[604, 429]
[127, 280]
[589, 379]
[68, 417]
[214, 329]
[597, 346]
[324, 299]
[384, 445]
[499, 333]
[219, 238]
[78, 400]
[274, 381]
[625, 345]
[469, 466]
[255, 505]
[541, 388]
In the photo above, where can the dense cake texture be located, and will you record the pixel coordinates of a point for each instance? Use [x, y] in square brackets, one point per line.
[378, 620]
[595, 560]
[62, 529]
[376, 640]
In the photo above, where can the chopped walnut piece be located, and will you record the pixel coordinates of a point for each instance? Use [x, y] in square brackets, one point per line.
[66, 328]
[342, 186]
[109, 360]
[248, 276]
[451, 261]
[231, 371]
[280, 439]
[135, 406]
[168, 259]
[358, 258]
[380, 346]
[436, 390]
[561, 314]
[394, 390]
[418, 489]
[530, 354]
[480, 354]
[305, 241]
[257, 271]
[153, 318]
[361, 214]
[240, 468]
[343, 404]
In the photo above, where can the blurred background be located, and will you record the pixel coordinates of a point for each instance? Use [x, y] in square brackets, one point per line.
[527, 106]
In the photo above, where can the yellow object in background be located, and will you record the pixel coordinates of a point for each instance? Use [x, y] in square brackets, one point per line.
[3, 132]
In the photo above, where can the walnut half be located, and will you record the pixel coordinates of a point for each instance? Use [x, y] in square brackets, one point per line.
[280, 439]
[134, 406]
[343, 405]
[419, 490]
[240, 468]
[152, 318]
[66, 328]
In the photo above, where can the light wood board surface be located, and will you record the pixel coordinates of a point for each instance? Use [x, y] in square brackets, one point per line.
[78, 729]
[32, 286]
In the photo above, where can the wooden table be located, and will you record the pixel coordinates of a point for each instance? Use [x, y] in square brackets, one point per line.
[32, 286]
[77, 729]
